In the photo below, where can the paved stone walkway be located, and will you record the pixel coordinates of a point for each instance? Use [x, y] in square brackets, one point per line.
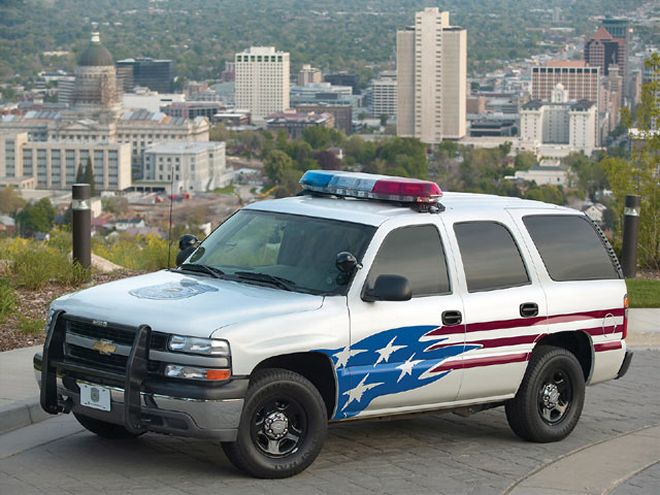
[647, 482]
[429, 454]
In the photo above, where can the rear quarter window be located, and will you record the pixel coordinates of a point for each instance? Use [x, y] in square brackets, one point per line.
[570, 248]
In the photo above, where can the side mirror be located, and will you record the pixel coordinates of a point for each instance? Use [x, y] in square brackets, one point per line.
[187, 244]
[389, 288]
[346, 262]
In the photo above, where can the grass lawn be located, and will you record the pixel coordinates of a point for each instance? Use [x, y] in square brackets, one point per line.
[643, 293]
[225, 190]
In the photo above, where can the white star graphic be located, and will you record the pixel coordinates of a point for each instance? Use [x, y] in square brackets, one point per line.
[387, 351]
[407, 367]
[359, 390]
[344, 355]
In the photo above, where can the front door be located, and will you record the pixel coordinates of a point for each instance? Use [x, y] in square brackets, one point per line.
[396, 347]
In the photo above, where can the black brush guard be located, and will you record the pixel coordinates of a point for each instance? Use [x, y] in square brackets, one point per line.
[54, 360]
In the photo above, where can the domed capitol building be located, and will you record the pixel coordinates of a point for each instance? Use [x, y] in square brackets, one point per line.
[43, 149]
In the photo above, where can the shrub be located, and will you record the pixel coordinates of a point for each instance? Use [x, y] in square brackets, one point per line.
[147, 253]
[30, 326]
[8, 301]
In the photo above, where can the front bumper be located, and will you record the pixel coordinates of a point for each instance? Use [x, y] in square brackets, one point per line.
[139, 402]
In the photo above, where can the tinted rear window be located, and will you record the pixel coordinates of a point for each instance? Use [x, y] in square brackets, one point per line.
[491, 258]
[570, 247]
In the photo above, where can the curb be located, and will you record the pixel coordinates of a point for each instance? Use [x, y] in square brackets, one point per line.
[20, 414]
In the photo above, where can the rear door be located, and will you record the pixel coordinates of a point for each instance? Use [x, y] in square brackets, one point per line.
[505, 306]
[582, 280]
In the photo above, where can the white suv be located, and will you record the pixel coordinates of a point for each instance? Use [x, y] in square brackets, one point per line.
[365, 296]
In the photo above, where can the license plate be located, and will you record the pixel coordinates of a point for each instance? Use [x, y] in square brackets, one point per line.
[95, 396]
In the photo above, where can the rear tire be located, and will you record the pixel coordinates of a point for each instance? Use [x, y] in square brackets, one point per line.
[105, 429]
[283, 426]
[549, 401]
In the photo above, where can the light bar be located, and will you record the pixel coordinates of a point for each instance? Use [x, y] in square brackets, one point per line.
[371, 186]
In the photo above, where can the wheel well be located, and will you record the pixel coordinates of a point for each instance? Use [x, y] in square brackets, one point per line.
[314, 366]
[576, 342]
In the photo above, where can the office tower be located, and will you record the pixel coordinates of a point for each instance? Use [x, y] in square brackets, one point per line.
[309, 74]
[620, 30]
[262, 81]
[383, 95]
[432, 78]
[157, 75]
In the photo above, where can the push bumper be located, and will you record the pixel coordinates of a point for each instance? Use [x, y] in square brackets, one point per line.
[137, 401]
[625, 365]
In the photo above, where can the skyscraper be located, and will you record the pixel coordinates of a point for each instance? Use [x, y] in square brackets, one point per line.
[432, 78]
[581, 82]
[157, 75]
[619, 28]
[262, 81]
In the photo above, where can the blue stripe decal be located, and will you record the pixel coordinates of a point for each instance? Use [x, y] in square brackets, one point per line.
[388, 362]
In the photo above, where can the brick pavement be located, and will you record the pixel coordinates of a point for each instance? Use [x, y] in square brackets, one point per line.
[432, 453]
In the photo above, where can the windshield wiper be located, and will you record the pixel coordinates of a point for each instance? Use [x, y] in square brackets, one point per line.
[198, 267]
[280, 282]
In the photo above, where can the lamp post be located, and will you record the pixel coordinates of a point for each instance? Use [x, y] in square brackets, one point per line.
[630, 234]
[82, 225]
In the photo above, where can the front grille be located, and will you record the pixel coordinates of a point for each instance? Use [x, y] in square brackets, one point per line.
[90, 357]
[117, 334]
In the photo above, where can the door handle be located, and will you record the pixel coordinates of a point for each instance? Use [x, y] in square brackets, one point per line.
[527, 310]
[450, 318]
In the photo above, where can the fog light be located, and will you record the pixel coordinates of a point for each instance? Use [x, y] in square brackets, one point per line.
[196, 373]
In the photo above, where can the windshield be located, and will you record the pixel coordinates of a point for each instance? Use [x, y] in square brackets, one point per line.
[298, 252]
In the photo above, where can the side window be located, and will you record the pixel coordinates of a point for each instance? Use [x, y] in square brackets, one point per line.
[570, 247]
[415, 253]
[491, 258]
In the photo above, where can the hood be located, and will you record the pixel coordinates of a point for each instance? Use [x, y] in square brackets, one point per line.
[185, 304]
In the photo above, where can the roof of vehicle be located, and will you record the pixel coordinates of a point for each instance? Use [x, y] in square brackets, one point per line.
[373, 212]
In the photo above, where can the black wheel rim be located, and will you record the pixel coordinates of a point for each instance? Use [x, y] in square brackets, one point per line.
[555, 396]
[279, 427]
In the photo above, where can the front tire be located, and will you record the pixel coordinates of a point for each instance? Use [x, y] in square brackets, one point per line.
[105, 429]
[549, 401]
[283, 426]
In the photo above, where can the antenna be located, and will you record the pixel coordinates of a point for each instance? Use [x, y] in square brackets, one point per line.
[169, 234]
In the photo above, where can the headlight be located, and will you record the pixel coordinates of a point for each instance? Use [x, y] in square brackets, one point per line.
[196, 345]
[196, 373]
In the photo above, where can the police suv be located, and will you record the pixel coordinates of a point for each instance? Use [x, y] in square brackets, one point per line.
[364, 296]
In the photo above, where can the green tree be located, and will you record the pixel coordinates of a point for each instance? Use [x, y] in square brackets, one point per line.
[80, 175]
[639, 175]
[525, 160]
[10, 200]
[89, 177]
[276, 165]
[37, 217]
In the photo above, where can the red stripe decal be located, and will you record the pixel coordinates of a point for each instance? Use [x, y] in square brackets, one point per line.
[608, 346]
[504, 341]
[484, 361]
[528, 322]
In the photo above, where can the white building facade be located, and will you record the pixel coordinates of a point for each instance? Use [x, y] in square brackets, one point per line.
[187, 167]
[560, 127]
[54, 165]
[262, 81]
[384, 95]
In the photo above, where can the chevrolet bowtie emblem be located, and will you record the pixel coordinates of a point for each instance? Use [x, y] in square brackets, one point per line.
[104, 347]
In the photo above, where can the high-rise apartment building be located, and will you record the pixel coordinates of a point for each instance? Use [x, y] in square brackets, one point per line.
[432, 78]
[580, 81]
[262, 81]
